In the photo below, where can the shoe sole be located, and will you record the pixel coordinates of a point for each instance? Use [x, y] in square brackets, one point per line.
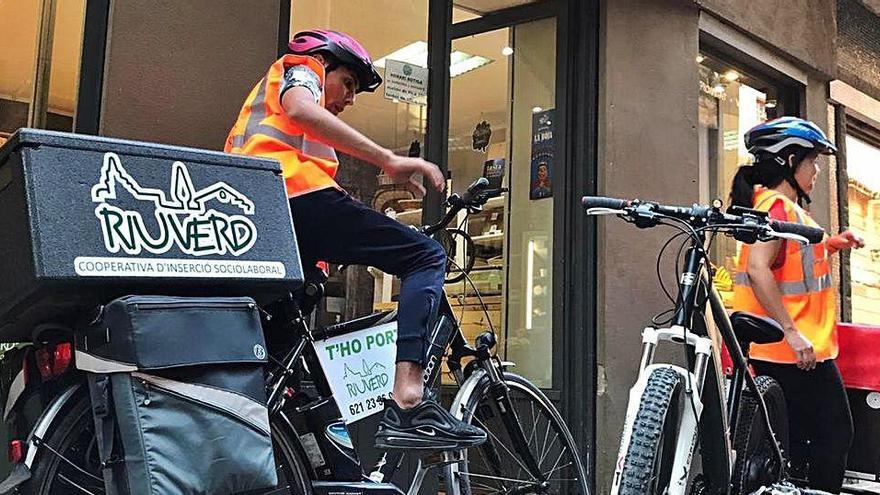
[406, 441]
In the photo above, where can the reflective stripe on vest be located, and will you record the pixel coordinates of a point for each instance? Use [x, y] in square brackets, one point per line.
[263, 129]
[255, 126]
[791, 288]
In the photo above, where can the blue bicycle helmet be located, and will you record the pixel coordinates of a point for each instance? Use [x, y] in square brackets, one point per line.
[773, 136]
[768, 141]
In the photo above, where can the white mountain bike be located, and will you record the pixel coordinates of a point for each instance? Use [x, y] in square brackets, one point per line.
[672, 409]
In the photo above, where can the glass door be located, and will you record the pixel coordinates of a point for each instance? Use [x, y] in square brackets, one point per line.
[502, 127]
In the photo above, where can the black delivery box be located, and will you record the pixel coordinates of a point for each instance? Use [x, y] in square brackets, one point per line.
[86, 219]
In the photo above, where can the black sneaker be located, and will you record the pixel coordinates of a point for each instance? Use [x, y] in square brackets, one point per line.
[426, 427]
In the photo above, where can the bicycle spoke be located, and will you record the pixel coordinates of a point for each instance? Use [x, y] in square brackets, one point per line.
[69, 462]
[489, 431]
[75, 485]
[477, 484]
[558, 459]
[485, 461]
[544, 453]
[534, 426]
[546, 434]
[548, 473]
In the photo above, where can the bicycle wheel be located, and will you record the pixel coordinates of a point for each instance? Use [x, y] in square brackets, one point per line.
[647, 467]
[497, 466]
[756, 463]
[68, 460]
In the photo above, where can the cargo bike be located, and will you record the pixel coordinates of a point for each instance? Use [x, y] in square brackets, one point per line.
[163, 311]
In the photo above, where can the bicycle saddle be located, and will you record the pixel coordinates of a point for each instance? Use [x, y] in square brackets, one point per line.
[751, 328]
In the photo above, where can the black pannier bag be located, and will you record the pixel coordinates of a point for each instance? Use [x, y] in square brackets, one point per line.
[178, 395]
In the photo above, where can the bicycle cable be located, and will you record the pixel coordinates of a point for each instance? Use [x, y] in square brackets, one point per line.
[692, 236]
[483, 305]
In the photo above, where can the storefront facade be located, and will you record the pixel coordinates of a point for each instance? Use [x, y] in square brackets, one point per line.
[551, 99]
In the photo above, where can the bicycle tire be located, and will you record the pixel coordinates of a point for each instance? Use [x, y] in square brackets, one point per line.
[647, 466]
[73, 432]
[463, 479]
[755, 459]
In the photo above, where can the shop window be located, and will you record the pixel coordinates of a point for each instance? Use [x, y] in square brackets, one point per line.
[502, 91]
[732, 100]
[58, 25]
[863, 197]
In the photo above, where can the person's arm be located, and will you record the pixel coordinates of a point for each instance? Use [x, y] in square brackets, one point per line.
[761, 258]
[300, 106]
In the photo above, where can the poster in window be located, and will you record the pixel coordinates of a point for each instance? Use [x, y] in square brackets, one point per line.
[493, 171]
[543, 155]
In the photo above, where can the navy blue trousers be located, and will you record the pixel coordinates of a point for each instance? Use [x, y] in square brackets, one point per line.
[334, 227]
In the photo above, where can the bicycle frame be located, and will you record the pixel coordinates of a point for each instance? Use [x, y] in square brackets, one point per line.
[389, 464]
[706, 414]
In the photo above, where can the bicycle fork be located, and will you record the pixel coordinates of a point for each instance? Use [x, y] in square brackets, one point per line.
[685, 443]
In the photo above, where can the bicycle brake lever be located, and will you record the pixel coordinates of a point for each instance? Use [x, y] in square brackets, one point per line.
[789, 237]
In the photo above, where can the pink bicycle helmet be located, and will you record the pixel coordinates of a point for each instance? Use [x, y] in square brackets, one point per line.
[342, 46]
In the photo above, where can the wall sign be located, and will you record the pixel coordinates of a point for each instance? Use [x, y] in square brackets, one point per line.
[406, 82]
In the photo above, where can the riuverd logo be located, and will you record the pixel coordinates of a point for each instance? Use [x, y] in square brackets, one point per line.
[183, 218]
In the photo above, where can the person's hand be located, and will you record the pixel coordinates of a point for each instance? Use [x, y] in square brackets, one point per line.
[801, 346]
[402, 170]
[845, 240]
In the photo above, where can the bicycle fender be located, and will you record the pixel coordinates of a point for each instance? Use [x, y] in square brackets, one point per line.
[22, 472]
[466, 391]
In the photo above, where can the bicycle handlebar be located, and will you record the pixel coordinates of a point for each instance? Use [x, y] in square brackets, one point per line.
[752, 224]
[476, 195]
[812, 234]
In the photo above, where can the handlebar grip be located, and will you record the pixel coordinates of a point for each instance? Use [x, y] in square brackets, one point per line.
[812, 234]
[602, 202]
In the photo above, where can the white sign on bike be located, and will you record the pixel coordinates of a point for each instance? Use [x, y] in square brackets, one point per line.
[360, 369]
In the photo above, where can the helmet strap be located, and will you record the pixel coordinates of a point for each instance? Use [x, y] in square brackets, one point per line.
[803, 198]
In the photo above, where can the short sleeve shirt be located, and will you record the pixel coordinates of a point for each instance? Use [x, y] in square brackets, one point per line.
[304, 77]
[777, 212]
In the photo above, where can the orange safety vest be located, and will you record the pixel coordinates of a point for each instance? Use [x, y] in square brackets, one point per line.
[804, 280]
[263, 129]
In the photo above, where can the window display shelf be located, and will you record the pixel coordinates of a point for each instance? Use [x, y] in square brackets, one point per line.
[493, 239]
[414, 217]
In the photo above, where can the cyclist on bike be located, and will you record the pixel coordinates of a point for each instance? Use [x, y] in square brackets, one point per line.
[791, 283]
[291, 115]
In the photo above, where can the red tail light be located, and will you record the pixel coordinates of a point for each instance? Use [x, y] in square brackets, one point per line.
[16, 451]
[63, 355]
[53, 360]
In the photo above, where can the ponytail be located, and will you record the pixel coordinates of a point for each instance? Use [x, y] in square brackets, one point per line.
[743, 187]
[769, 170]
